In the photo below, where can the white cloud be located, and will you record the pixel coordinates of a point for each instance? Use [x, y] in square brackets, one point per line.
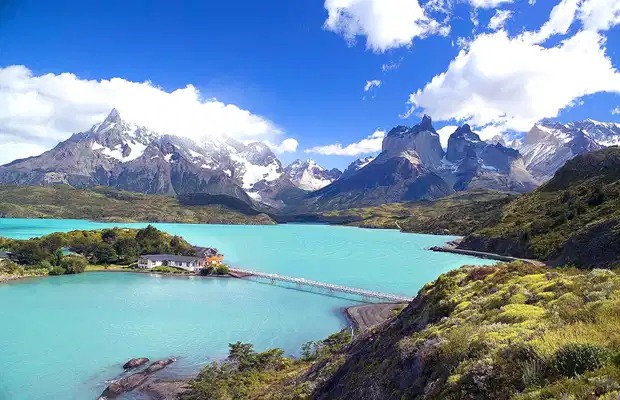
[560, 20]
[488, 3]
[386, 24]
[500, 18]
[616, 111]
[372, 84]
[511, 83]
[45, 109]
[10, 151]
[444, 134]
[599, 15]
[391, 66]
[368, 145]
[286, 146]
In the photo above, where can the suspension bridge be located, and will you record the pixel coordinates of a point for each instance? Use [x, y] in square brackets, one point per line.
[301, 282]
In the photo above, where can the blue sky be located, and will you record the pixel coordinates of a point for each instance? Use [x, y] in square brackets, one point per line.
[303, 78]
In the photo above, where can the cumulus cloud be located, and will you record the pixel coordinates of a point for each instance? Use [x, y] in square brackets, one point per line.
[500, 18]
[599, 15]
[560, 21]
[386, 24]
[44, 109]
[286, 146]
[488, 3]
[372, 84]
[368, 145]
[616, 111]
[510, 83]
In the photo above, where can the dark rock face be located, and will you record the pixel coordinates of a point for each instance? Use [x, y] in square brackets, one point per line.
[135, 362]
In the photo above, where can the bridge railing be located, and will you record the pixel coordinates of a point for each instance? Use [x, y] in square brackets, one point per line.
[327, 286]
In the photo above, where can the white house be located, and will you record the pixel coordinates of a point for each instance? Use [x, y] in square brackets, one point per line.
[4, 255]
[170, 260]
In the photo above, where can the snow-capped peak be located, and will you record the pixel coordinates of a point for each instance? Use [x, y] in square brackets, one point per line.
[308, 175]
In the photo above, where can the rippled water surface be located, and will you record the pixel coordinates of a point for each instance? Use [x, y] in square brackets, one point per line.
[62, 337]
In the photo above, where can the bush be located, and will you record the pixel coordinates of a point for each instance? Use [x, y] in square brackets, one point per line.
[576, 358]
[74, 264]
[57, 270]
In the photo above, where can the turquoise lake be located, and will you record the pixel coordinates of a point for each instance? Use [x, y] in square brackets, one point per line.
[62, 337]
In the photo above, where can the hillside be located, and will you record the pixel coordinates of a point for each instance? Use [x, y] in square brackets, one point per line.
[573, 219]
[459, 214]
[107, 204]
[514, 331]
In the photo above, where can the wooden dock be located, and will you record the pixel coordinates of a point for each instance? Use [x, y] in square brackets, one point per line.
[365, 294]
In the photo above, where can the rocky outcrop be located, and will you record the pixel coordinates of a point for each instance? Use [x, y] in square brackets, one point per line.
[135, 363]
[134, 381]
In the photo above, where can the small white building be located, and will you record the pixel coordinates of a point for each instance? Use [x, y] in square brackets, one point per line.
[3, 255]
[187, 263]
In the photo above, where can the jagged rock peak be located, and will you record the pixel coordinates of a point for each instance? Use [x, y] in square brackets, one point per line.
[465, 132]
[425, 125]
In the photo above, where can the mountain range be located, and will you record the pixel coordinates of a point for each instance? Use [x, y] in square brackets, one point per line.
[412, 165]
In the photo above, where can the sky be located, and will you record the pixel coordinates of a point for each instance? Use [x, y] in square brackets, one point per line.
[320, 79]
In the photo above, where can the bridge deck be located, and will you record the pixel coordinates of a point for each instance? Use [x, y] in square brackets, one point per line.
[327, 286]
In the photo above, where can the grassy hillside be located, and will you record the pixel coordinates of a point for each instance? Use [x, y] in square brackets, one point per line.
[514, 331]
[572, 219]
[458, 214]
[107, 204]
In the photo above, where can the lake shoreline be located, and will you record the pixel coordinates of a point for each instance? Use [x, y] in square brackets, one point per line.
[361, 317]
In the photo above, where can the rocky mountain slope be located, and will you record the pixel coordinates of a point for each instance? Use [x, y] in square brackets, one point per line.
[548, 145]
[574, 218]
[413, 166]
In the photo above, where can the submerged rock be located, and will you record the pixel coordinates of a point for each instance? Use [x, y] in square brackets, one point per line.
[159, 365]
[135, 362]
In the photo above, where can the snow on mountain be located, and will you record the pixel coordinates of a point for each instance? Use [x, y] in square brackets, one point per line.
[604, 133]
[548, 145]
[357, 165]
[308, 175]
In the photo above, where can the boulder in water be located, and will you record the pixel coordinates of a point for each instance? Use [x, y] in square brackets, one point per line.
[159, 365]
[135, 362]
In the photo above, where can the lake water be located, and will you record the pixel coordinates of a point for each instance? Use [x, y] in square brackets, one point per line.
[62, 337]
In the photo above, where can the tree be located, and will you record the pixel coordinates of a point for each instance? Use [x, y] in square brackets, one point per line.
[74, 264]
[127, 249]
[105, 254]
[30, 252]
[242, 354]
[109, 235]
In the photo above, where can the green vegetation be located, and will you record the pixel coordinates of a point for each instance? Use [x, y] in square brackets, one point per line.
[217, 269]
[10, 270]
[246, 374]
[170, 270]
[572, 219]
[108, 204]
[459, 214]
[117, 246]
[511, 331]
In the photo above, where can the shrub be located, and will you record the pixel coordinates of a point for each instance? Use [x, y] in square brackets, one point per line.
[57, 270]
[74, 264]
[576, 358]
